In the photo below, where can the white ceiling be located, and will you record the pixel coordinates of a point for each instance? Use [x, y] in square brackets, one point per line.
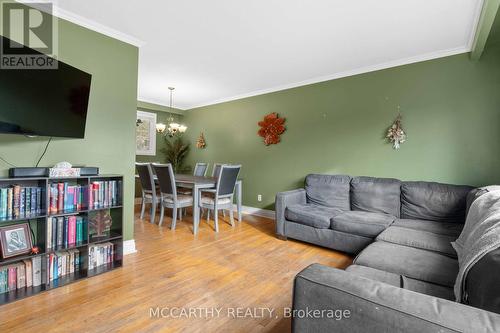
[220, 50]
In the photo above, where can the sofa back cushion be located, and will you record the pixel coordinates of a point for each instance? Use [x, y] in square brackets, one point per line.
[328, 190]
[434, 201]
[377, 195]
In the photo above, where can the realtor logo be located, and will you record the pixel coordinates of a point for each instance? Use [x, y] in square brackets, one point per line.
[29, 36]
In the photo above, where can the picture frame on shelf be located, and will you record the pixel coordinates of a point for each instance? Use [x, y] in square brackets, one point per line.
[15, 240]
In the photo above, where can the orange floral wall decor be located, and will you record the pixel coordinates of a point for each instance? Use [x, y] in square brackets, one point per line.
[271, 128]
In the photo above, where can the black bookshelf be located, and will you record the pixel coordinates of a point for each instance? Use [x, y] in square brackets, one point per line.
[38, 225]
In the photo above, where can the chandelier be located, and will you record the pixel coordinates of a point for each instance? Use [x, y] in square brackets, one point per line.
[173, 128]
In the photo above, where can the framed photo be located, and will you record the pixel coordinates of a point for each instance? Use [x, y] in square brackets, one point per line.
[15, 240]
[145, 133]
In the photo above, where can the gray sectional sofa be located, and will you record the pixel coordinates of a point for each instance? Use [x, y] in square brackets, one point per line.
[403, 276]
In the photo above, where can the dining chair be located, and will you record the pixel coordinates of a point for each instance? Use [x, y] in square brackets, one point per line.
[222, 196]
[216, 169]
[168, 192]
[200, 169]
[145, 172]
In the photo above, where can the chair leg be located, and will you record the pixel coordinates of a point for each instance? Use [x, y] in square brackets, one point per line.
[208, 215]
[180, 214]
[153, 211]
[216, 222]
[231, 217]
[162, 212]
[224, 213]
[174, 218]
[143, 207]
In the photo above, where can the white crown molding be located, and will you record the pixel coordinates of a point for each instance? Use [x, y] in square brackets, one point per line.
[129, 247]
[153, 101]
[86, 23]
[475, 28]
[362, 70]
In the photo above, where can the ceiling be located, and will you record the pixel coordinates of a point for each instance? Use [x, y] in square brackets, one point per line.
[214, 51]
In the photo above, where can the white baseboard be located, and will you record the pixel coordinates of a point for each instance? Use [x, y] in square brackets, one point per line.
[267, 213]
[129, 247]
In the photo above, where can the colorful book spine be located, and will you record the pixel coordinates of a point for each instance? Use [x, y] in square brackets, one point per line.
[34, 202]
[71, 230]
[12, 282]
[36, 264]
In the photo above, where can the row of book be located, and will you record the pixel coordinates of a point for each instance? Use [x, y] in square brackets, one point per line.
[18, 202]
[101, 254]
[105, 193]
[27, 273]
[65, 197]
[65, 231]
[62, 263]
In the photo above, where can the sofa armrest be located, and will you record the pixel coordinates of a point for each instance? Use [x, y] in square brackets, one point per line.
[284, 199]
[373, 306]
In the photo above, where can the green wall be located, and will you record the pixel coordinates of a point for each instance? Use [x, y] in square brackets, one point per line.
[450, 108]
[110, 132]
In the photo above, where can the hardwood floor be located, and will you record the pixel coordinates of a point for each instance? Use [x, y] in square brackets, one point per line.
[241, 267]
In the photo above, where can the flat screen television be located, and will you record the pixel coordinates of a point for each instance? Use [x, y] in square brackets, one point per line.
[44, 102]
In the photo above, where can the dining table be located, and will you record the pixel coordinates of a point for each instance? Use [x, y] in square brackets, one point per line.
[198, 183]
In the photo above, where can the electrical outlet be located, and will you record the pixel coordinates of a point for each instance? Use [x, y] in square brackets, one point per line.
[259, 197]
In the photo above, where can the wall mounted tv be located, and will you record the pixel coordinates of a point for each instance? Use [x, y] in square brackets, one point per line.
[44, 102]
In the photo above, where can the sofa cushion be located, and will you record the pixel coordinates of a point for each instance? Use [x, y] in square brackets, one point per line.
[411, 262]
[450, 229]
[328, 190]
[419, 239]
[428, 288]
[402, 281]
[311, 215]
[379, 195]
[361, 223]
[376, 274]
[434, 201]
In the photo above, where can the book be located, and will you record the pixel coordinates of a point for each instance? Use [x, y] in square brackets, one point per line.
[21, 275]
[27, 201]
[29, 273]
[60, 231]
[12, 278]
[16, 198]
[60, 197]
[71, 230]
[34, 202]
[10, 196]
[36, 263]
[48, 240]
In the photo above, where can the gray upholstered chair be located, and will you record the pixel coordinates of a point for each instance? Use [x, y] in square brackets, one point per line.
[169, 197]
[148, 188]
[216, 169]
[200, 169]
[222, 196]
